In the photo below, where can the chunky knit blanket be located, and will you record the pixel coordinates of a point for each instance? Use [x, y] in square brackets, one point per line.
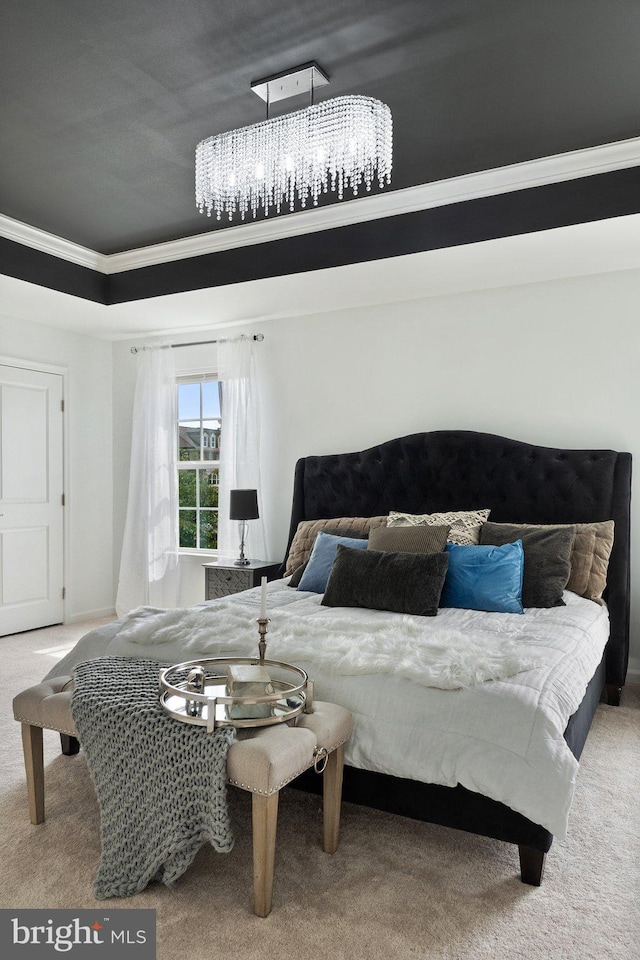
[161, 784]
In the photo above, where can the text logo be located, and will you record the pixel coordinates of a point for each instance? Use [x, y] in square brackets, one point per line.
[103, 934]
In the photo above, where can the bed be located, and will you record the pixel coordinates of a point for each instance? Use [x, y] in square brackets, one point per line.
[521, 482]
[419, 474]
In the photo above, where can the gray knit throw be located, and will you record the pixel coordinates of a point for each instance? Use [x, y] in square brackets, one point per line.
[161, 784]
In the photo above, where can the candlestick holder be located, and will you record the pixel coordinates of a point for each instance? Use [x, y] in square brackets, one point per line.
[262, 630]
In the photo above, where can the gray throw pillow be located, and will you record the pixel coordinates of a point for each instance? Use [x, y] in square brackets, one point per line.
[401, 582]
[547, 553]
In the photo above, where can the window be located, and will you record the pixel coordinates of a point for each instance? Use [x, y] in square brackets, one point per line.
[198, 438]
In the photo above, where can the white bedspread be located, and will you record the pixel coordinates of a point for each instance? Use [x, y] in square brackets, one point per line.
[502, 738]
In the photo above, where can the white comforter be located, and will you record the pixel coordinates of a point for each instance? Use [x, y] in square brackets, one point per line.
[466, 697]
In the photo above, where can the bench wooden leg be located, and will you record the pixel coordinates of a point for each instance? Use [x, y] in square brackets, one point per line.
[332, 799]
[34, 768]
[265, 823]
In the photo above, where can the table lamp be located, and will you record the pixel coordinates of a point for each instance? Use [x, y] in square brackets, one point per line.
[243, 506]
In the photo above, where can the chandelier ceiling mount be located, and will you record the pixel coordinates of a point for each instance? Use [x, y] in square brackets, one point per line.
[290, 83]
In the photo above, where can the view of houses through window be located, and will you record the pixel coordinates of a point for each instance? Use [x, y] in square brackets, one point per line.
[198, 436]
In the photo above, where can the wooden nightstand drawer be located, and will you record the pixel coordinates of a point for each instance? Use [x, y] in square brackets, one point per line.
[223, 577]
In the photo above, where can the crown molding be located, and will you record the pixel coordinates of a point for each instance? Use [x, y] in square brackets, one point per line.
[518, 176]
[49, 243]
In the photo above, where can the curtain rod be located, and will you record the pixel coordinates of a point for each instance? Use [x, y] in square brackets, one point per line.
[200, 343]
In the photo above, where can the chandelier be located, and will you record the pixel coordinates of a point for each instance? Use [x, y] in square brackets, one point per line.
[338, 144]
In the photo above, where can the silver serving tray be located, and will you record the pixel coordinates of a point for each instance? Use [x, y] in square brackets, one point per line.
[211, 708]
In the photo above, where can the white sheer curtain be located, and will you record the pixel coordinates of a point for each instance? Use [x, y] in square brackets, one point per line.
[149, 562]
[239, 445]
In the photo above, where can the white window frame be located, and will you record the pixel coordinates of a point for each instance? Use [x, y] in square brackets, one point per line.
[207, 465]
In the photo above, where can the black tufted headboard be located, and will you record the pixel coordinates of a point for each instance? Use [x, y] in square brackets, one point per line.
[458, 469]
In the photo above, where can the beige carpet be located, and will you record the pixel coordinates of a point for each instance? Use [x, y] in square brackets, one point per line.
[395, 888]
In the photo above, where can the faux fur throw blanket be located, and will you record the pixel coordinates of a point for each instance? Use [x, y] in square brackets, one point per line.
[161, 784]
[371, 643]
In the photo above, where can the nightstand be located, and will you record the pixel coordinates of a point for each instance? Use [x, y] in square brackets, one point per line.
[223, 577]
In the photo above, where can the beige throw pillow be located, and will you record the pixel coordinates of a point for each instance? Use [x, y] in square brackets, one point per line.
[590, 559]
[465, 524]
[305, 535]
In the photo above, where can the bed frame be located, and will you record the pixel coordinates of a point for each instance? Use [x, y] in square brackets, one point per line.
[520, 482]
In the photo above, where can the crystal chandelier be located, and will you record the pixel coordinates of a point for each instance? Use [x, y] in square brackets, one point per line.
[338, 144]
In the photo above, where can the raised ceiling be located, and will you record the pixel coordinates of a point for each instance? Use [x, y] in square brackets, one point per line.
[102, 103]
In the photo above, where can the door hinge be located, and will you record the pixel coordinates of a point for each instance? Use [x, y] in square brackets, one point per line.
[62, 405]
[64, 593]
[63, 500]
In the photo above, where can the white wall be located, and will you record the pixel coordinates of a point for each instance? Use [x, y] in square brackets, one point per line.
[88, 450]
[553, 363]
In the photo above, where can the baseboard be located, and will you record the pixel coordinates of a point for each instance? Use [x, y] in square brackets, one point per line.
[91, 615]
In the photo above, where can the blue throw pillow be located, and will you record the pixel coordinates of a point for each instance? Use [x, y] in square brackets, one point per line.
[321, 560]
[484, 578]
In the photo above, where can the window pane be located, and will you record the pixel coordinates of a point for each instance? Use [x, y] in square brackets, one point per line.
[208, 488]
[208, 529]
[211, 437]
[188, 401]
[210, 399]
[188, 441]
[187, 488]
[186, 455]
[188, 534]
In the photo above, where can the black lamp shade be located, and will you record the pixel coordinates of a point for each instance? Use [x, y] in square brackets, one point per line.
[243, 505]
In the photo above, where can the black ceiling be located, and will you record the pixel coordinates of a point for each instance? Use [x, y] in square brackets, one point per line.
[103, 101]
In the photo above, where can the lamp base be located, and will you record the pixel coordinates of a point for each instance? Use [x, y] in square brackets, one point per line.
[242, 529]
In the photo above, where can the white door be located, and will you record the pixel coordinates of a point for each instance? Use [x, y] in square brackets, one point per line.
[31, 504]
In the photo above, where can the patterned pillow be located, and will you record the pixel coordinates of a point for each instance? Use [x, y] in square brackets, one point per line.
[305, 535]
[465, 524]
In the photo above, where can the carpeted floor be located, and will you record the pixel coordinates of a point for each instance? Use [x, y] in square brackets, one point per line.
[394, 889]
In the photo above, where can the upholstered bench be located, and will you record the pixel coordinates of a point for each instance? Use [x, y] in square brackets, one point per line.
[261, 761]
